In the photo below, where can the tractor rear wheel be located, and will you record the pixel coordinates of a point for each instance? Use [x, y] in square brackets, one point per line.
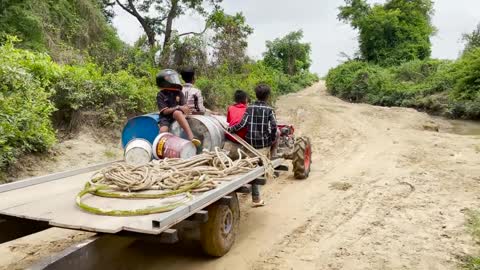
[302, 157]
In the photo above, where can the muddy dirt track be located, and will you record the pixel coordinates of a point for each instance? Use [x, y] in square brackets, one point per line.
[386, 191]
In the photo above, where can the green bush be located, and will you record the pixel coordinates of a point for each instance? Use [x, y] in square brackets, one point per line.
[85, 88]
[468, 76]
[438, 86]
[33, 87]
[362, 82]
[25, 107]
[218, 89]
[68, 29]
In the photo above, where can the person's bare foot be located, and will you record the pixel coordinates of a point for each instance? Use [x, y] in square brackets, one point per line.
[258, 203]
[196, 142]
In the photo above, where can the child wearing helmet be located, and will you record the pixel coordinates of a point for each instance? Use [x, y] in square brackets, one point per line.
[171, 103]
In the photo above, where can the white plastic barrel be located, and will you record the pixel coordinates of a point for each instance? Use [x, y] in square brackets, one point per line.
[138, 152]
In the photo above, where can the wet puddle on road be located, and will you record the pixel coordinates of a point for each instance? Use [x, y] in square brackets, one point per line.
[463, 127]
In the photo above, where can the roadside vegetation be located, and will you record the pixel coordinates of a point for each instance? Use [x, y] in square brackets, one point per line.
[393, 66]
[61, 62]
[473, 263]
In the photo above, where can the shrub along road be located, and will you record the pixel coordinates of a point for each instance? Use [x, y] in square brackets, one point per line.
[387, 191]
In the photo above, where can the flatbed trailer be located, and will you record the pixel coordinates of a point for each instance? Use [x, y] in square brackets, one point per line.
[34, 204]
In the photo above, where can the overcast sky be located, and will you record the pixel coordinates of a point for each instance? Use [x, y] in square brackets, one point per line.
[318, 19]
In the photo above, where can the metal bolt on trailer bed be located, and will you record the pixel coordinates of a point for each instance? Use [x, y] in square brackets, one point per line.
[43, 202]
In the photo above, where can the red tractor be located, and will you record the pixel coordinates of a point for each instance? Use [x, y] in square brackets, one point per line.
[299, 150]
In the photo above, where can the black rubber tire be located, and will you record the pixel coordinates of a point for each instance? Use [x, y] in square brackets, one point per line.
[215, 242]
[301, 170]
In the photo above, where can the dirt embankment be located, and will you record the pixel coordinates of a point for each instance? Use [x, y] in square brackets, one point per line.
[388, 190]
[88, 146]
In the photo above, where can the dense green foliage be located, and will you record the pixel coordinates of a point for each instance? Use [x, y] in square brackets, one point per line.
[34, 87]
[24, 104]
[288, 54]
[441, 87]
[218, 89]
[64, 28]
[394, 68]
[392, 33]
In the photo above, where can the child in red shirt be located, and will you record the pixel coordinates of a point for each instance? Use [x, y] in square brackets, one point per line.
[234, 116]
[235, 113]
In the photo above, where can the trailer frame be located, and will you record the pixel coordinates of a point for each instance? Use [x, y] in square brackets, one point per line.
[166, 229]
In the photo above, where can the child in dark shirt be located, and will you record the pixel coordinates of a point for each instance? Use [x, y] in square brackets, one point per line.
[171, 103]
[260, 121]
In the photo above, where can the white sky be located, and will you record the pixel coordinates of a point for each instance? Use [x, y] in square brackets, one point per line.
[318, 19]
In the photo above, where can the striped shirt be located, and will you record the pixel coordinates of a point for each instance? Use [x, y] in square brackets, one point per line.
[194, 99]
[261, 125]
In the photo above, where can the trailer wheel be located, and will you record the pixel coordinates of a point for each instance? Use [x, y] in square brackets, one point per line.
[302, 158]
[218, 233]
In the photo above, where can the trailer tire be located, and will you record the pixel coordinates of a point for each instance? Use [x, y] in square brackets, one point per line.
[218, 234]
[302, 158]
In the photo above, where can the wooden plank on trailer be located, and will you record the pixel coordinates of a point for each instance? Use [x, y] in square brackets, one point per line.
[57, 206]
[41, 192]
[99, 223]
[51, 177]
[63, 208]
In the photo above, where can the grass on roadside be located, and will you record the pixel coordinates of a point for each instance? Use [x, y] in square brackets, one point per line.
[110, 154]
[473, 223]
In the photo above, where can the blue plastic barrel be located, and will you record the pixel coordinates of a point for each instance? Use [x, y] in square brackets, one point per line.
[143, 127]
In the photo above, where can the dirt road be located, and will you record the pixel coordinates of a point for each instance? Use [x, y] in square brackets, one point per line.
[387, 191]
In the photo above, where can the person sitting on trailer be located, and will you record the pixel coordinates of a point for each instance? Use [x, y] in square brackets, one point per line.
[193, 96]
[171, 103]
[259, 118]
[235, 113]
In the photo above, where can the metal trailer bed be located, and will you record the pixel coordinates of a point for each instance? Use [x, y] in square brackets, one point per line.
[34, 204]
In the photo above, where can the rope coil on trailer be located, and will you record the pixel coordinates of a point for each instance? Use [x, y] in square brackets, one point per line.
[175, 178]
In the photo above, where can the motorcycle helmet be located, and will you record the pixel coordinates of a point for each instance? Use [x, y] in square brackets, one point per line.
[169, 79]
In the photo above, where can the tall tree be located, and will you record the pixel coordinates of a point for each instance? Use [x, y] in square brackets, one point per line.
[230, 39]
[288, 54]
[189, 51]
[392, 33]
[472, 39]
[157, 16]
